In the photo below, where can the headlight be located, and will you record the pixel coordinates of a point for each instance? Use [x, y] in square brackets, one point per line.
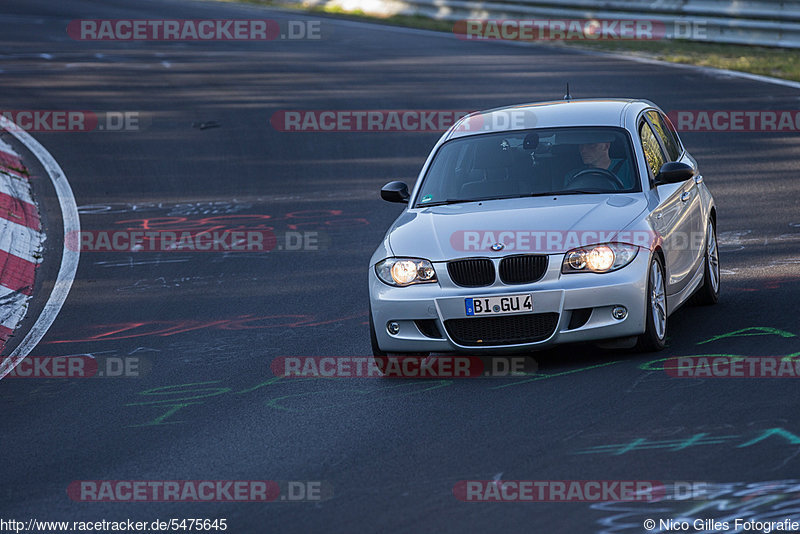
[405, 271]
[599, 258]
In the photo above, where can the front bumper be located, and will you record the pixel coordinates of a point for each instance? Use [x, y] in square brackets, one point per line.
[589, 296]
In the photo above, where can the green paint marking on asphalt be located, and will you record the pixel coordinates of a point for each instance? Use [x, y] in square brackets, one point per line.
[651, 365]
[168, 390]
[639, 444]
[161, 419]
[793, 439]
[753, 331]
[695, 440]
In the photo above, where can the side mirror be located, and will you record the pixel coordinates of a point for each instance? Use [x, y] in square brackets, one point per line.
[673, 172]
[395, 192]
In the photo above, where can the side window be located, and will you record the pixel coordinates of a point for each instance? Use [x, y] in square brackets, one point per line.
[666, 135]
[652, 151]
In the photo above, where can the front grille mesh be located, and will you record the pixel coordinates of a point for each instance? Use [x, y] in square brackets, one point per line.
[523, 269]
[504, 330]
[474, 272]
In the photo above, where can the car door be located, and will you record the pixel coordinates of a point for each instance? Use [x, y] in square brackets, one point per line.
[695, 225]
[673, 217]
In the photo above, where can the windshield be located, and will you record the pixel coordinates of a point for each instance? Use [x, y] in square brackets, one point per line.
[585, 160]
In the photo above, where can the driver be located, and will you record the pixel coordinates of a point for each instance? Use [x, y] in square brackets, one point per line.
[596, 156]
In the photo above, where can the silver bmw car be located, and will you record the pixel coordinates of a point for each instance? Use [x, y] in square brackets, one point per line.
[545, 223]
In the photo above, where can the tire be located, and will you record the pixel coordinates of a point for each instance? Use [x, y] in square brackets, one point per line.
[708, 293]
[380, 356]
[655, 334]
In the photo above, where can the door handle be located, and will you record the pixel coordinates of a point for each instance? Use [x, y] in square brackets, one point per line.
[686, 196]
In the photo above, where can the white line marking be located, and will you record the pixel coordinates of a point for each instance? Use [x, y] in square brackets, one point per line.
[69, 258]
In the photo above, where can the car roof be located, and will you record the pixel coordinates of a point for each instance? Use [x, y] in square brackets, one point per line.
[558, 113]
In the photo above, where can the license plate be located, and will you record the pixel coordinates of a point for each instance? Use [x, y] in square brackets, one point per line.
[505, 305]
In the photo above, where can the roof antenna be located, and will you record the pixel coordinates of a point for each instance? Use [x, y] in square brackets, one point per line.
[567, 97]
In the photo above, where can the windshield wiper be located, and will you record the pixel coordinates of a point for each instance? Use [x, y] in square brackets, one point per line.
[448, 201]
[574, 192]
[462, 200]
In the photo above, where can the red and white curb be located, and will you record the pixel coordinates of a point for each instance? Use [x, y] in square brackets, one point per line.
[21, 239]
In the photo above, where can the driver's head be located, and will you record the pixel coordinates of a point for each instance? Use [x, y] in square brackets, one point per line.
[595, 154]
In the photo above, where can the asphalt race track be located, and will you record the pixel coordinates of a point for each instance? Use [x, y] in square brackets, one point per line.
[204, 327]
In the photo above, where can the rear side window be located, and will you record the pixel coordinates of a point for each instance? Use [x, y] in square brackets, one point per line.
[666, 135]
[652, 150]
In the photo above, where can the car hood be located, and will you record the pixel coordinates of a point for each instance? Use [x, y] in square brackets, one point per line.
[552, 224]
